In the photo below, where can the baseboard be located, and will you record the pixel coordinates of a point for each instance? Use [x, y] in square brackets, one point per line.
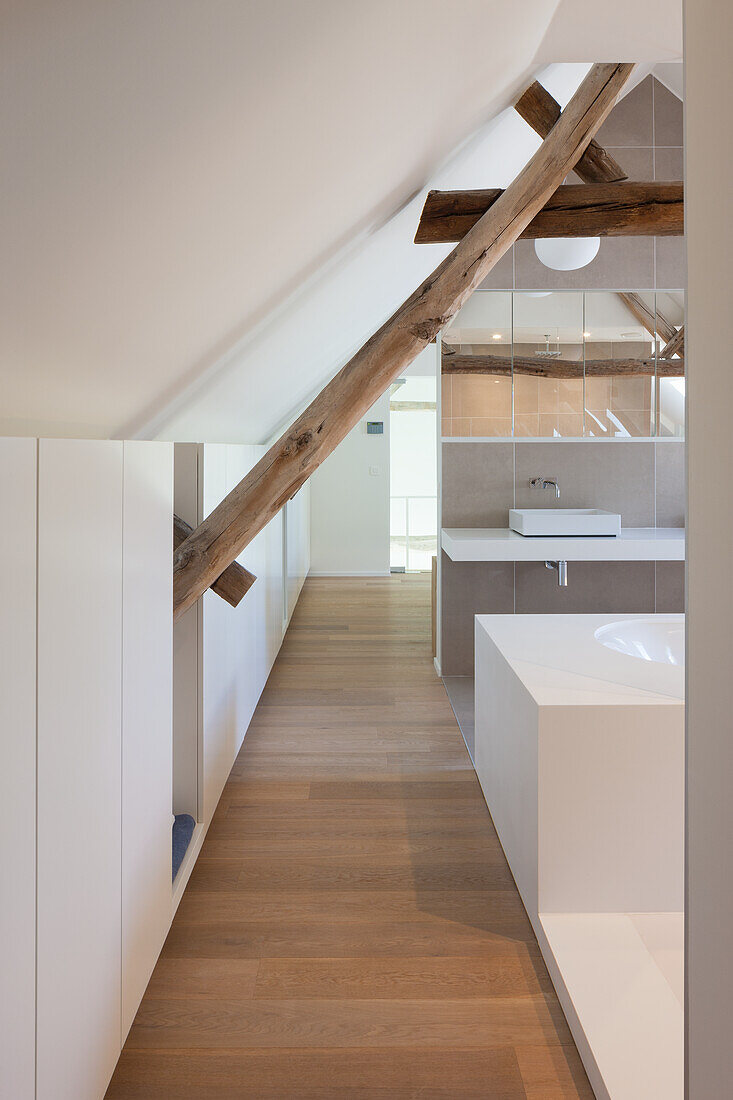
[350, 573]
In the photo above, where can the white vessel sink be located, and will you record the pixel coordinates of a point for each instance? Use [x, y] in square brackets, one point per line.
[564, 521]
[659, 640]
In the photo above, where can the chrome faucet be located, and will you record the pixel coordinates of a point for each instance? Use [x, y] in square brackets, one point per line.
[562, 571]
[545, 483]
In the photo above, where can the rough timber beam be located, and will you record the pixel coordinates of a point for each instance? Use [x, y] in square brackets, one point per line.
[538, 108]
[575, 210]
[654, 322]
[675, 346]
[463, 363]
[216, 542]
[234, 583]
[541, 111]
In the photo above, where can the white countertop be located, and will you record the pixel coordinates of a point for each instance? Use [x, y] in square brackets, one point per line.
[502, 544]
[561, 663]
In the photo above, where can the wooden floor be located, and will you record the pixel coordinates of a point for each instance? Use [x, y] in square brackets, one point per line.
[351, 928]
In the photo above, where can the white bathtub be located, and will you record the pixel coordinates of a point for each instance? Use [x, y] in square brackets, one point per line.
[580, 755]
[660, 639]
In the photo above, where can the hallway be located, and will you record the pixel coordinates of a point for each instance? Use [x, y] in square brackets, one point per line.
[351, 928]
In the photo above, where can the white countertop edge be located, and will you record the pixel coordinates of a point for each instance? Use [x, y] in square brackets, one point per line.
[502, 544]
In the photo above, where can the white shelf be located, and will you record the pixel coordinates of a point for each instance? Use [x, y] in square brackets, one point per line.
[502, 544]
[623, 974]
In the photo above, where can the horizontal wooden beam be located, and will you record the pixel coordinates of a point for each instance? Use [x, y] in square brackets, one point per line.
[234, 583]
[217, 541]
[575, 210]
[541, 111]
[457, 363]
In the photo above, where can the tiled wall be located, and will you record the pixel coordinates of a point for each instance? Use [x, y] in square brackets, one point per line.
[644, 133]
[642, 479]
[481, 481]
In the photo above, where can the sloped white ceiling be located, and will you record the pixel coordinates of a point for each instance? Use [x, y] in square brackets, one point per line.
[206, 203]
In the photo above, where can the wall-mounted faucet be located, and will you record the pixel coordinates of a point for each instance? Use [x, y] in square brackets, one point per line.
[562, 571]
[545, 483]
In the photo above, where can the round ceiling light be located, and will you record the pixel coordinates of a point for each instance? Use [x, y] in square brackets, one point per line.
[567, 253]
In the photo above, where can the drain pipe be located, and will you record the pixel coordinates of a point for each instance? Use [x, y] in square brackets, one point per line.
[562, 571]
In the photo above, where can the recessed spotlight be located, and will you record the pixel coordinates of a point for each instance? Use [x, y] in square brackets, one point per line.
[586, 335]
[497, 336]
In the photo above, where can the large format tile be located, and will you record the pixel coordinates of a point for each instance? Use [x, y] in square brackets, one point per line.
[668, 116]
[593, 588]
[616, 476]
[670, 462]
[621, 263]
[631, 120]
[469, 589]
[670, 585]
[478, 484]
[671, 263]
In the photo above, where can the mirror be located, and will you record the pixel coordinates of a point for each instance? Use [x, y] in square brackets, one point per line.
[565, 364]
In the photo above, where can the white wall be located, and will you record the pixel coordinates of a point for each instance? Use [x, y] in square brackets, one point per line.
[709, 167]
[350, 504]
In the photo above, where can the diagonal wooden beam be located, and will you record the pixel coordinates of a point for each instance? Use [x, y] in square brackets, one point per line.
[541, 111]
[234, 583]
[675, 346]
[575, 210]
[655, 323]
[217, 541]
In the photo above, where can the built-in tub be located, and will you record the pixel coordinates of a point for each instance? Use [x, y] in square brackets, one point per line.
[580, 754]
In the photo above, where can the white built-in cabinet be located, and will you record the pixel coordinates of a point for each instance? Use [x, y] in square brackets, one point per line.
[228, 651]
[111, 721]
[86, 711]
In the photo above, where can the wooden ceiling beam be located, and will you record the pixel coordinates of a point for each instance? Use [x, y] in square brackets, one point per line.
[234, 583]
[575, 210]
[675, 346]
[541, 110]
[655, 323]
[459, 363]
[216, 542]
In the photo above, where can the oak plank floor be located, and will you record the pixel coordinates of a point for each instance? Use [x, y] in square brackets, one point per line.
[351, 928]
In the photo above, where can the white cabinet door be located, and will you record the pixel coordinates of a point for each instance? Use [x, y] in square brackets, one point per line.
[147, 747]
[18, 771]
[79, 766]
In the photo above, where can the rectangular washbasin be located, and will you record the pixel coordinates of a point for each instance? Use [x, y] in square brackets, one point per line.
[564, 521]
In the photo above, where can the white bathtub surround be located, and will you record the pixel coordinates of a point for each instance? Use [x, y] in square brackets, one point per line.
[580, 754]
[503, 544]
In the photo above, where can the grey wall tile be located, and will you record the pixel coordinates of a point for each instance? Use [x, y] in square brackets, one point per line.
[671, 263]
[616, 476]
[593, 588]
[670, 466]
[630, 122]
[501, 276]
[469, 589]
[621, 263]
[637, 163]
[670, 587]
[669, 164]
[477, 484]
[668, 121]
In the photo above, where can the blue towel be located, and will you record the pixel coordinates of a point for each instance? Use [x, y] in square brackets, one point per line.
[183, 827]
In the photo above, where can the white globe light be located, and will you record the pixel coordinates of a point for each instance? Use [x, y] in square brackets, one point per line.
[567, 253]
